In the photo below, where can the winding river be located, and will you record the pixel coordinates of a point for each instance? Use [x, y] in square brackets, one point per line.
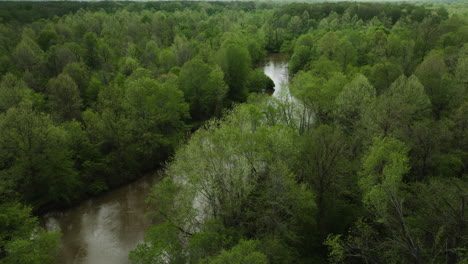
[103, 229]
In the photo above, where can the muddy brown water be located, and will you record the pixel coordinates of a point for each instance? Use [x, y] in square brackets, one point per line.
[103, 230]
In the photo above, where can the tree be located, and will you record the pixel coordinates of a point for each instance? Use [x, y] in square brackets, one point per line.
[28, 55]
[157, 114]
[39, 160]
[346, 54]
[91, 45]
[353, 101]
[21, 240]
[64, 98]
[192, 77]
[47, 38]
[444, 232]
[259, 82]
[328, 45]
[394, 111]
[183, 50]
[59, 56]
[138, 125]
[381, 183]
[439, 87]
[235, 62]
[302, 53]
[12, 91]
[462, 67]
[318, 89]
[233, 171]
[245, 252]
[320, 163]
[162, 245]
[167, 60]
[80, 75]
[149, 57]
[128, 65]
[382, 74]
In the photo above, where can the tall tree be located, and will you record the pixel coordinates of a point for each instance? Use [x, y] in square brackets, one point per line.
[12, 91]
[39, 158]
[64, 98]
[234, 59]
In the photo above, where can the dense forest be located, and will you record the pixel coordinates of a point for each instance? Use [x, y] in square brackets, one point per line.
[367, 162]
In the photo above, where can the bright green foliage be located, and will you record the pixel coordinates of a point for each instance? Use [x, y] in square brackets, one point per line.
[41, 249]
[382, 174]
[91, 91]
[15, 221]
[318, 89]
[404, 230]
[128, 65]
[245, 252]
[328, 45]
[158, 108]
[162, 245]
[302, 53]
[233, 172]
[183, 50]
[212, 238]
[336, 252]
[352, 102]
[21, 240]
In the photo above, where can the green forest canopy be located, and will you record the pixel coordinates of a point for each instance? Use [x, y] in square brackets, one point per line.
[367, 165]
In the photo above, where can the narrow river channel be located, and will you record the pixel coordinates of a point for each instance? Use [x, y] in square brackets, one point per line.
[276, 67]
[103, 230]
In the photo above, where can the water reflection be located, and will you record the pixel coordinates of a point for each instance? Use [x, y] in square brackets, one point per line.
[276, 67]
[104, 229]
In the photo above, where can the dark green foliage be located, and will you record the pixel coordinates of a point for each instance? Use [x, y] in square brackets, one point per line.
[234, 59]
[21, 240]
[36, 156]
[259, 82]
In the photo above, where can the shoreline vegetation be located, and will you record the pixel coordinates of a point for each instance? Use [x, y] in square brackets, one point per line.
[367, 164]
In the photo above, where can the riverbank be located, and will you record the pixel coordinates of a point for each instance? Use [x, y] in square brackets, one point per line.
[104, 228]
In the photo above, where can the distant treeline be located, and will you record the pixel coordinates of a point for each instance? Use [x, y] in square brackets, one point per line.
[30, 11]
